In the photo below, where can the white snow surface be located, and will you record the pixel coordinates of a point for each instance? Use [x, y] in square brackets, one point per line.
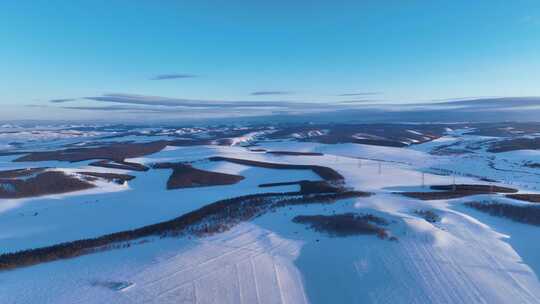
[244, 265]
[468, 257]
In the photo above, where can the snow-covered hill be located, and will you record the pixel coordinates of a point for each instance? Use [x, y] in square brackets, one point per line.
[464, 256]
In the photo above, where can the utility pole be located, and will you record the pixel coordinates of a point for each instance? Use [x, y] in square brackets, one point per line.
[423, 180]
[454, 181]
[380, 168]
[491, 193]
[359, 163]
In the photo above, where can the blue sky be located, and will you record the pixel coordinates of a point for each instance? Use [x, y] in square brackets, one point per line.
[249, 51]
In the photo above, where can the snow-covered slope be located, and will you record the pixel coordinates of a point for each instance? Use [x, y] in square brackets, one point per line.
[466, 257]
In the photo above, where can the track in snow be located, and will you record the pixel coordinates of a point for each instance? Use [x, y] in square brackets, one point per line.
[246, 265]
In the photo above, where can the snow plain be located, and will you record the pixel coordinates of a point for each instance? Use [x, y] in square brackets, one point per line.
[467, 257]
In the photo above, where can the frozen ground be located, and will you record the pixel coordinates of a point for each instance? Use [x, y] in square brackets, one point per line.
[467, 257]
[245, 265]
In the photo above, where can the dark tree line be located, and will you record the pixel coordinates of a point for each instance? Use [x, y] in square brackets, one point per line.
[533, 198]
[515, 144]
[522, 214]
[295, 153]
[325, 173]
[475, 188]
[457, 191]
[307, 187]
[212, 218]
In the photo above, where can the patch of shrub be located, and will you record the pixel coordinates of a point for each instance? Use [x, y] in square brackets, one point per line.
[48, 182]
[531, 164]
[428, 215]
[522, 214]
[514, 145]
[532, 198]
[345, 224]
[185, 176]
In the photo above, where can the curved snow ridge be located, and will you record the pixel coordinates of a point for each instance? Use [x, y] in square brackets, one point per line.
[457, 260]
[469, 264]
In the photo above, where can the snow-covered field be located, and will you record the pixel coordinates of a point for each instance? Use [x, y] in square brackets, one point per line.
[467, 257]
[245, 265]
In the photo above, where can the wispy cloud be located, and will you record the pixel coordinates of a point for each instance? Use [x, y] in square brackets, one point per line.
[167, 107]
[151, 107]
[359, 101]
[469, 98]
[61, 100]
[173, 76]
[134, 99]
[259, 93]
[360, 94]
[494, 102]
[36, 106]
[114, 108]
